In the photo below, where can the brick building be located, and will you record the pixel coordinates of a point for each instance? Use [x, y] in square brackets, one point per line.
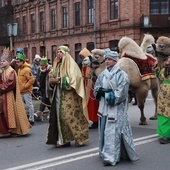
[43, 25]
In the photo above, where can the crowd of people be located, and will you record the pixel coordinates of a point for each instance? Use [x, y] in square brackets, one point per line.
[76, 102]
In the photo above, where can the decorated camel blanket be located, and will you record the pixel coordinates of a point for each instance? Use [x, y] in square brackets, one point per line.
[145, 66]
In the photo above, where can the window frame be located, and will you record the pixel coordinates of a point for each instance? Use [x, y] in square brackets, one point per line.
[53, 18]
[77, 8]
[24, 24]
[65, 16]
[32, 23]
[42, 21]
[114, 6]
[90, 11]
[159, 7]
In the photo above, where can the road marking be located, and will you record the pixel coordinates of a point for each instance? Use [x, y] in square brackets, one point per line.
[72, 157]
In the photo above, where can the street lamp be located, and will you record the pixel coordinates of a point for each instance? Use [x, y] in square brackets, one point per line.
[12, 31]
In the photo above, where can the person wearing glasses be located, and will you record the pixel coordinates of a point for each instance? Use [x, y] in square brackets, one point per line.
[26, 81]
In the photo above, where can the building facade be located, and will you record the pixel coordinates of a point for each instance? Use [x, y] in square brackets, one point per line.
[44, 25]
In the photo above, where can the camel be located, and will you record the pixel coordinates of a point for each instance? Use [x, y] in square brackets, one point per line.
[141, 84]
[148, 39]
[162, 51]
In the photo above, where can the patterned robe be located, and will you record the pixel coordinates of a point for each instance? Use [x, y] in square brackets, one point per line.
[67, 119]
[163, 105]
[92, 104]
[13, 117]
[115, 133]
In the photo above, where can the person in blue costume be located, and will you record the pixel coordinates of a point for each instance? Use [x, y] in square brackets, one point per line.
[115, 134]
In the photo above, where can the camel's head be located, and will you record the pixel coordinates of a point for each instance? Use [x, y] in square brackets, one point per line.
[84, 53]
[150, 50]
[163, 46]
[86, 61]
[97, 54]
[148, 39]
[95, 59]
[146, 43]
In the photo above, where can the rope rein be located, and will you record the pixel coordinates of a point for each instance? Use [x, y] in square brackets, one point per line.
[39, 100]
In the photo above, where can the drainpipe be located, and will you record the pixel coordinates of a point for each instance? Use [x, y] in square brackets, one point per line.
[94, 20]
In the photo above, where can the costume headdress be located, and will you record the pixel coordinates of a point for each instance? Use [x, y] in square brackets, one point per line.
[6, 55]
[43, 61]
[85, 52]
[64, 49]
[20, 57]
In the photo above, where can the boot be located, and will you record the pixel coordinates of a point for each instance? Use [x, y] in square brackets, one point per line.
[94, 125]
[38, 116]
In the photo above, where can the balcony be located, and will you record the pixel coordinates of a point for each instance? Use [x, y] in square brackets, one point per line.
[155, 21]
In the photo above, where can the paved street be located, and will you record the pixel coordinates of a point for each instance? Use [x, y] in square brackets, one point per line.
[32, 153]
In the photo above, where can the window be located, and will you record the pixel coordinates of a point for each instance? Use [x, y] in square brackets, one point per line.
[24, 24]
[34, 51]
[90, 46]
[19, 26]
[78, 60]
[53, 49]
[53, 19]
[42, 22]
[90, 11]
[113, 9]
[65, 17]
[113, 45]
[159, 7]
[77, 14]
[32, 23]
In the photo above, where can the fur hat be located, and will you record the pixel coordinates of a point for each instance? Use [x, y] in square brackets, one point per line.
[37, 56]
[43, 61]
[20, 57]
[6, 55]
[64, 49]
[85, 52]
[112, 55]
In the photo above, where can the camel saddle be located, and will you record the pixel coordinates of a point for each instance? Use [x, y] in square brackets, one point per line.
[145, 66]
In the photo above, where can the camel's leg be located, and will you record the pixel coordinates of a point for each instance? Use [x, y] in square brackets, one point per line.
[154, 95]
[141, 95]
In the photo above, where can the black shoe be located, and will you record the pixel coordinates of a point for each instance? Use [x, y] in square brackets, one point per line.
[134, 103]
[94, 125]
[164, 140]
[31, 122]
[37, 118]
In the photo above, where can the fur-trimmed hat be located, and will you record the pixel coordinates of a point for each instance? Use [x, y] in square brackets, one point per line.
[43, 61]
[6, 55]
[112, 55]
[84, 52]
[20, 57]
